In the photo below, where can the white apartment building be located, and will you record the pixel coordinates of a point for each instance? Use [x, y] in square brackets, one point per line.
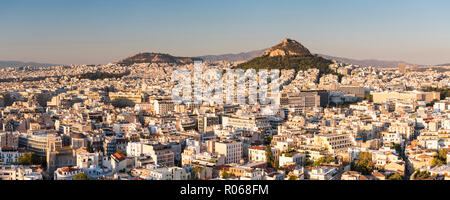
[323, 173]
[232, 151]
[135, 149]
[252, 123]
[10, 155]
[257, 154]
[19, 172]
[335, 143]
[170, 173]
[86, 160]
[161, 154]
[291, 159]
[66, 173]
[392, 137]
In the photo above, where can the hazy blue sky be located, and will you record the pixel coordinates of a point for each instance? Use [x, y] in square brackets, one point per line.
[101, 31]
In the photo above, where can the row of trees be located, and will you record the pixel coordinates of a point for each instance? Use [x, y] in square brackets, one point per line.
[31, 159]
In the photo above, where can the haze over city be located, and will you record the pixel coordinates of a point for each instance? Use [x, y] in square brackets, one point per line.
[238, 90]
[99, 32]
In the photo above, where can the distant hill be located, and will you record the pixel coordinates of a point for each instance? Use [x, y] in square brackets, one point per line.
[244, 56]
[365, 63]
[287, 47]
[289, 54]
[447, 64]
[23, 64]
[156, 58]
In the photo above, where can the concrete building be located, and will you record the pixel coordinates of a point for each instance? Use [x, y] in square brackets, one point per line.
[232, 151]
[380, 97]
[334, 143]
[10, 139]
[9, 155]
[34, 142]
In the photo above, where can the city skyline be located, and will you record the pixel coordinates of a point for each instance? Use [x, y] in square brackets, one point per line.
[98, 32]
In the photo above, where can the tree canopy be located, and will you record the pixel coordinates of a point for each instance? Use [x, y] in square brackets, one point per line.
[322, 160]
[80, 176]
[299, 63]
[395, 176]
[440, 158]
[31, 159]
[421, 174]
[364, 163]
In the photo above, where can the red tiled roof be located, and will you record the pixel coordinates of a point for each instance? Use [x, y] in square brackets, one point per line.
[68, 169]
[257, 147]
[119, 157]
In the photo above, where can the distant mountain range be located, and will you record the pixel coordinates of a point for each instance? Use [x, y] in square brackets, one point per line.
[446, 64]
[245, 56]
[365, 62]
[23, 64]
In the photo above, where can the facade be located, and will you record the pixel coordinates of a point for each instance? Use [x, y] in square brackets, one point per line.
[35, 142]
[18, 172]
[135, 97]
[59, 156]
[10, 155]
[205, 123]
[292, 159]
[309, 99]
[334, 143]
[246, 122]
[9, 139]
[355, 90]
[163, 106]
[86, 160]
[162, 154]
[324, 173]
[231, 150]
[380, 97]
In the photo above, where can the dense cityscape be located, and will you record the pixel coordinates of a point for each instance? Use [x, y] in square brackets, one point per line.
[119, 122]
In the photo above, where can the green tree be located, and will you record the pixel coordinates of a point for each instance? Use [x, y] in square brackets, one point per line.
[436, 161]
[121, 152]
[225, 174]
[442, 154]
[440, 158]
[196, 173]
[30, 159]
[364, 163]
[368, 97]
[80, 176]
[89, 147]
[395, 176]
[321, 160]
[269, 156]
[276, 164]
[421, 174]
[268, 140]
